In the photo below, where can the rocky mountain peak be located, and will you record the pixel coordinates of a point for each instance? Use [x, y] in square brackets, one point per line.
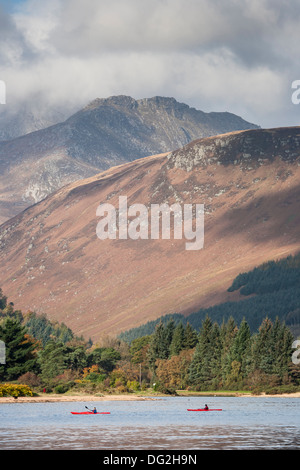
[118, 100]
[107, 132]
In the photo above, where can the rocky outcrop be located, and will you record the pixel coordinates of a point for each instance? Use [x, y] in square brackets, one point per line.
[247, 149]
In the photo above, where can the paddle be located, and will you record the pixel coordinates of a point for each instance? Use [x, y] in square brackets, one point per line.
[88, 408]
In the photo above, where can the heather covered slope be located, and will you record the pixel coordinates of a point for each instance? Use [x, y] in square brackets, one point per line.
[53, 262]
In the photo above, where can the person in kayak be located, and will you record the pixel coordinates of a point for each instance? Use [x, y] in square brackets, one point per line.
[206, 407]
[93, 411]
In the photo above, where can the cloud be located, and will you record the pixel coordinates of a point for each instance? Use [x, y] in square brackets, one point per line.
[238, 56]
[11, 41]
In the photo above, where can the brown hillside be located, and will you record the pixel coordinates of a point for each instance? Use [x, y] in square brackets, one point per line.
[53, 262]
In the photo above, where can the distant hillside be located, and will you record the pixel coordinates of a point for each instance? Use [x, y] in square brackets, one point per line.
[52, 261]
[275, 290]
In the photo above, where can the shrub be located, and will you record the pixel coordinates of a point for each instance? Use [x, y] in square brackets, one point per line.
[117, 378]
[281, 389]
[95, 377]
[14, 390]
[31, 379]
[121, 389]
[161, 388]
[61, 388]
[133, 385]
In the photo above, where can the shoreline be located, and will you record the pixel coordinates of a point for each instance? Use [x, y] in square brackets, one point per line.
[94, 398]
[72, 398]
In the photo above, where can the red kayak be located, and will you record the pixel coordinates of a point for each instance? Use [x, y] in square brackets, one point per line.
[90, 413]
[209, 409]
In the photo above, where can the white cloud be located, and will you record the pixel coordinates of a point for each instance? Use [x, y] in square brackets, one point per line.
[238, 56]
[35, 21]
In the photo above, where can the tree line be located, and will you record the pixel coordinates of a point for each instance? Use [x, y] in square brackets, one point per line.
[54, 363]
[222, 357]
[226, 356]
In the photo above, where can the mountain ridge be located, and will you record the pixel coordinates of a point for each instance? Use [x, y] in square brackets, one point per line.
[105, 133]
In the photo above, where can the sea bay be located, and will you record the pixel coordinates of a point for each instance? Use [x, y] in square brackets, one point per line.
[157, 424]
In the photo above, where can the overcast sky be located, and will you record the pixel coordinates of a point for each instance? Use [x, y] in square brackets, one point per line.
[239, 56]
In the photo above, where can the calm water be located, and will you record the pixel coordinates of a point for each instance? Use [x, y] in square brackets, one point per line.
[165, 423]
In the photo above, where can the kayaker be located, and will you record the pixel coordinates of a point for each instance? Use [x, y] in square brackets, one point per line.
[92, 411]
[206, 407]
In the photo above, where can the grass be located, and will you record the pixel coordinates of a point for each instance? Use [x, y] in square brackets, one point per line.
[212, 393]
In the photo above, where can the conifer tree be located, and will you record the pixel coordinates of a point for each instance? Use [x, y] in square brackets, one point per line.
[158, 347]
[282, 339]
[216, 353]
[138, 347]
[53, 360]
[262, 351]
[177, 343]
[241, 347]
[190, 337]
[19, 350]
[227, 333]
[169, 332]
[200, 368]
[3, 300]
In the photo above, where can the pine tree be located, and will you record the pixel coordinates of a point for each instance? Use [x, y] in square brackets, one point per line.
[137, 349]
[159, 347]
[215, 363]
[177, 343]
[262, 351]
[53, 360]
[241, 347]
[239, 357]
[19, 349]
[200, 373]
[282, 340]
[190, 337]
[3, 300]
[169, 332]
[227, 333]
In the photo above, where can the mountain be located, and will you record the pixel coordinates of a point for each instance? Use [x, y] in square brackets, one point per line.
[52, 260]
[105, 133]
[16, 121]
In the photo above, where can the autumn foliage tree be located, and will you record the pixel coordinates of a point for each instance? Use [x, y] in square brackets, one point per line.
[173, 372]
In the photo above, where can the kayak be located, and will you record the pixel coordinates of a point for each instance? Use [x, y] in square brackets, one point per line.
[90, 413]
[209, 409]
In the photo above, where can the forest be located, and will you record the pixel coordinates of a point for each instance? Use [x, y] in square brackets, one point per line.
[275, 292]
[48, 357]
